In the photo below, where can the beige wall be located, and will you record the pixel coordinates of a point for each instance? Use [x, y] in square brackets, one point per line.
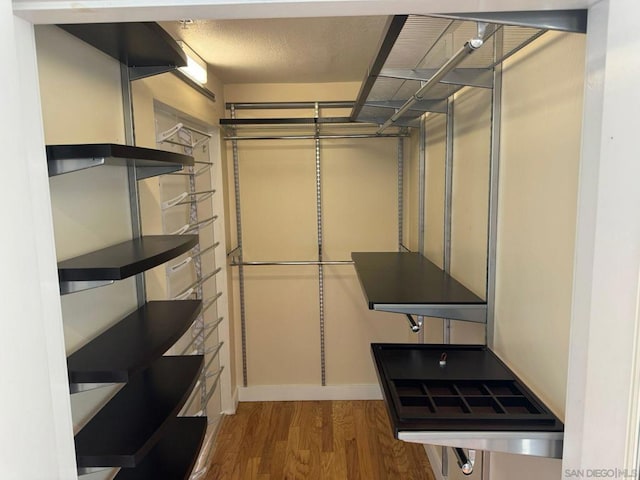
[277, 183]
[540, 151]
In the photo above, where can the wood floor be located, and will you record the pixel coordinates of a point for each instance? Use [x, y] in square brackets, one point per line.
[314, 440]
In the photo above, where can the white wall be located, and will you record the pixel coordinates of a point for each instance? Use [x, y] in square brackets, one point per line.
[602, 402]
[35, 439]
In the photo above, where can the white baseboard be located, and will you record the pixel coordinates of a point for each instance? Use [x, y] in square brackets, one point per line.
[275, 393]
[435, 459]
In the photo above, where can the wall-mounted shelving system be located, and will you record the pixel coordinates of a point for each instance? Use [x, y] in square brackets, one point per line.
[421, 64]
[139, 429]
[138, 417]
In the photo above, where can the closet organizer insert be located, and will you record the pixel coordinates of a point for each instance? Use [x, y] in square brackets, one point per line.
[138, 420]
[473, 400]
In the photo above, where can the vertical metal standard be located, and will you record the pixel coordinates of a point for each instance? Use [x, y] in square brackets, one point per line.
[494, 178]
[448, 206]
[422, 181]
[486, 464]
[400, 193]
[134, 197]
[320, 266]
[243, 323]
[197, 262]
[422, 168]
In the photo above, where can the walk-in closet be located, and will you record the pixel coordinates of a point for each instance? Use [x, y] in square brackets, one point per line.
[308, 240]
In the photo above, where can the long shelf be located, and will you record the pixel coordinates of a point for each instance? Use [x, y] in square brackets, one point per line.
[406, 282]
[132, 344]
[473, 400]
[137, 417]
[121, 261]
[174, 457]
[148, 162]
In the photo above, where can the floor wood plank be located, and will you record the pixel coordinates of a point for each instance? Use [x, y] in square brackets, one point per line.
[315, 440]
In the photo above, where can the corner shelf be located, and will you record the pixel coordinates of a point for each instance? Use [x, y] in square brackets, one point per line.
[408, 283]
[171, 459]
[137, 417]
[145, 47]
[132, 344]
[121, 261]
[473, 401]
[148, 162]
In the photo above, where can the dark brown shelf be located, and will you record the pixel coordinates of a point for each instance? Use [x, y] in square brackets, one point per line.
[133, 343]
[135, 44]
[148, 161]
[474, 391]
[137, 417]
[409, 283]
[125, 259]
[174, 457]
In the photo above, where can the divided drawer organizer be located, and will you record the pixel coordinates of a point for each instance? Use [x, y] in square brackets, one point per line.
[138, 429]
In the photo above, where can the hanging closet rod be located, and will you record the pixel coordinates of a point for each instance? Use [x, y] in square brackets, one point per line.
[211, 302]
[207, 166]
[415, 326]
[213, 388]
[176, 128]
[319, 137]
[287, 105]
[213, 325]
[180, 265]
[194, 338]
[206, 194]
[465, 463]
[194, 226]
[214, 354]
[294, 262]
[209, 248]
[189, 290]
[195, 389]
[467, 49]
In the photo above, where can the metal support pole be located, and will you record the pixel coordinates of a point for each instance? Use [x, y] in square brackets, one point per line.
[448, 206]
[494, 178]
[243, 323]
[422, 184]
[445, 462]
[320, 264]
[400, 193]
[134, 197]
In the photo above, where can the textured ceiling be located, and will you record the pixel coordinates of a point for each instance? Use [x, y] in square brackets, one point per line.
[292, 50]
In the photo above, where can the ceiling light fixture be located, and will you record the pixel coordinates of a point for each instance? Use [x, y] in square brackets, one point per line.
[196, 68]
